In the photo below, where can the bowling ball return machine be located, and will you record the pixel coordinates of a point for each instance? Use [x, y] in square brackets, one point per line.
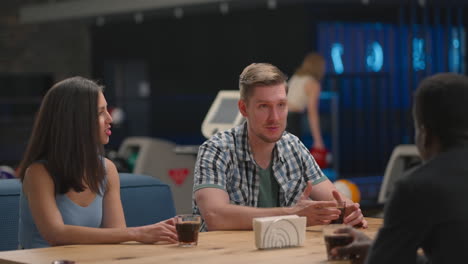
[174, 164]
[404, 158]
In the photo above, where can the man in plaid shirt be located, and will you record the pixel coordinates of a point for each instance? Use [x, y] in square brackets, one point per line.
[258, 169]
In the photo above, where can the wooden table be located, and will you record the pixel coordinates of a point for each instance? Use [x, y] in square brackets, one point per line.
[236, 247]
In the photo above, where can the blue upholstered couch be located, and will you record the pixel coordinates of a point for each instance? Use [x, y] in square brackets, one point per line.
[145, 200]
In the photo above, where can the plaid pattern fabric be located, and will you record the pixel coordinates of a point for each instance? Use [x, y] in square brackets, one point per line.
[225, 161]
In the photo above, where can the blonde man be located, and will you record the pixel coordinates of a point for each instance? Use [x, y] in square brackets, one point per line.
[257, 169]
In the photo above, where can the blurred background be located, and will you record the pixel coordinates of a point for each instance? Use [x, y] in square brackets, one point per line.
[163, 63]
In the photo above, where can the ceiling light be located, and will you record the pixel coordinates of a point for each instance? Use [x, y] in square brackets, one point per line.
[100, 21]
[138, 17]
[272, 4]
[224, 8]
[178, 12]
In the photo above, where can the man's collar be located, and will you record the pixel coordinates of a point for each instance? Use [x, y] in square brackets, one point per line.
[244, 152]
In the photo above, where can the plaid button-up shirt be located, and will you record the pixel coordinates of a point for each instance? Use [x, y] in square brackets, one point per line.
[225, 161]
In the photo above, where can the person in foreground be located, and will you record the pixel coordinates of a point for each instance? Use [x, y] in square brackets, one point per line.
[257, 169]
[427, 208]
[70, 192]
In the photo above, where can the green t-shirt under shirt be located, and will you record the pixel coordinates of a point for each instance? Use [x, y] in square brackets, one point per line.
[269, 188]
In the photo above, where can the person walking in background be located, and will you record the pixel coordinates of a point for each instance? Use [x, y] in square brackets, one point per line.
[303, 96]
[258, 169]
[70, 192]
[427, 208]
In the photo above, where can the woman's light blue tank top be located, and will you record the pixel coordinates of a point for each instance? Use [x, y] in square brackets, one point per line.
[72, 214]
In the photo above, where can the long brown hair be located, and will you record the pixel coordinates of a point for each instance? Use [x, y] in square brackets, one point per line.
[65, 136]
[314, 65]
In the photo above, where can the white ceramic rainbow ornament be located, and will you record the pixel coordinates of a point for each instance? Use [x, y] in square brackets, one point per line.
[279, 231]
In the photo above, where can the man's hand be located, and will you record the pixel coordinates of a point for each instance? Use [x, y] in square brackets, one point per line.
[353, 213]
[317, 212]
[358, 248]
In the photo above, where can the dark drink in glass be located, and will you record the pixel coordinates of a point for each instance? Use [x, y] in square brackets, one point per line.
[341, 206]
[334, 239]
[337, 240]
[340, 219]
[187, 227]
[188, 232]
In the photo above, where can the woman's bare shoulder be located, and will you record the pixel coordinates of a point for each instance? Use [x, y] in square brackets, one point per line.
[36, 176]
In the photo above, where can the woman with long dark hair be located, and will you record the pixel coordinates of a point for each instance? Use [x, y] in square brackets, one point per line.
[70, 191]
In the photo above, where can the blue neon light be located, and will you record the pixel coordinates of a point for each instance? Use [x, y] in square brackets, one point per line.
[336, 52]
[455, 52]
[419, 57]
[375, 57]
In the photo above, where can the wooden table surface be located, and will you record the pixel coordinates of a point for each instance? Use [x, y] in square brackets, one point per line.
[237, 247]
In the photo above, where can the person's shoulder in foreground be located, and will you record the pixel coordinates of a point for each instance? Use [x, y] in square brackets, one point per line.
[426, 210]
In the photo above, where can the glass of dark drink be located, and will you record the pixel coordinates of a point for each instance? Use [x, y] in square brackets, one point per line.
[187, 227]
[341, 205]
[333, 239]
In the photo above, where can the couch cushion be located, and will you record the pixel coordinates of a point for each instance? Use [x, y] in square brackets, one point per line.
[10, 187]
[145, 200]
[9, 213]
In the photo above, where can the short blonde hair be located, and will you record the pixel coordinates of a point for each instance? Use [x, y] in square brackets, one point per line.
[259, 74]
[313, 65]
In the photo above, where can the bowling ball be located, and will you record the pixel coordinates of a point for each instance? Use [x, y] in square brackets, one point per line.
[348, 189]
[320, 156]
[7, 172]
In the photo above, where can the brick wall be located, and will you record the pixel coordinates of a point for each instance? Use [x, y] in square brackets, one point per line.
[60, 48]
